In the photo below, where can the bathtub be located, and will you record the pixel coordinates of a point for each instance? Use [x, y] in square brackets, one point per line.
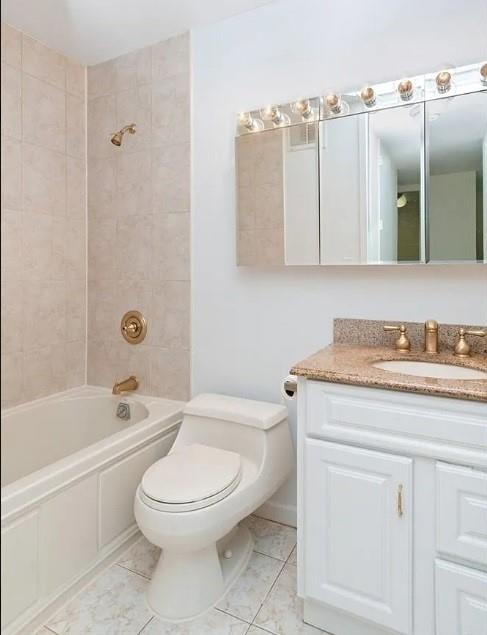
[70, 468]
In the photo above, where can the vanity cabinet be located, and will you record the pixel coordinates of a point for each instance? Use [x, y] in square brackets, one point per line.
[392, 511]
[358, 547]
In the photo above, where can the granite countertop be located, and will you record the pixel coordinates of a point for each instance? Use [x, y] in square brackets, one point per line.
[352, 364]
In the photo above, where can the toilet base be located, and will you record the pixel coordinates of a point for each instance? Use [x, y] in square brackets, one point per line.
[186, 584]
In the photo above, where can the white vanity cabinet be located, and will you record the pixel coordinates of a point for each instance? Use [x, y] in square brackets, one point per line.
[392, 511]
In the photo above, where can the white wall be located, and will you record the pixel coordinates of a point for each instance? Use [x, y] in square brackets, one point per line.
[249, 325]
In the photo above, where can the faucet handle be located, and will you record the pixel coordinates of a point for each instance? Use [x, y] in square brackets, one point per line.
[462, 347]
[402, 343]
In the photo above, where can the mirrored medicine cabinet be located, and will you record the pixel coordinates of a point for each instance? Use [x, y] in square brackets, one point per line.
[395, 181]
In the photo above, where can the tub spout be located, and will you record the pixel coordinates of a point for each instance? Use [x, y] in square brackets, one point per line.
[126, 385]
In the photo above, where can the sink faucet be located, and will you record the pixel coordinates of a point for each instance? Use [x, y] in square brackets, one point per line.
[126, 385]
[431, 336]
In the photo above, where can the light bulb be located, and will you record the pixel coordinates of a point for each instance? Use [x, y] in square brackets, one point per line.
[443, 81]
[405, 89]
[334, 103]
[303, 107]
[367, 95]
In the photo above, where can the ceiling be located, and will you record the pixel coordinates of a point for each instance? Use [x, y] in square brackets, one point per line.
[92, 31]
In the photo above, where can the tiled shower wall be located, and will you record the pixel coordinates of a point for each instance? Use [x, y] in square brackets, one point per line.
[139, 217]
[43, 220]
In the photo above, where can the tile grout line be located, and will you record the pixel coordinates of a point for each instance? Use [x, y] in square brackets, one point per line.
[145, 577]
[146, 625]
[268, 594]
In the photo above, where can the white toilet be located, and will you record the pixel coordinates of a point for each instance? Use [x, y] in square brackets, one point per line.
[229, 457]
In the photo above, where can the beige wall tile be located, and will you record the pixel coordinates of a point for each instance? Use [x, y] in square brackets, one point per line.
[43, 114]
[42, 62]
[75, 308]
[133, 69]
[171, 178]
[102, 123]
[134, 106]
[44, 180]
[102, 190]
[170, 372]
[75, 188]
[103, 314]
[102, 241]
[134, 183]
[43, 222]
[37, 246]
[171, 248]
[12, 389]
[11, 237]
[44, 303]
[12, 316]
[170, 57]
[101, 79]
[75, 78]
[134, 247]
[171, 111]
[11, 101]
[11, 173]
[171, 315]
[11, 45]
[75, 127]
[74, 245]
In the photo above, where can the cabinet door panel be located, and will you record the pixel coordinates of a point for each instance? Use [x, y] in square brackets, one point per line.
[357, 538]
[462, 512]
[461, 600]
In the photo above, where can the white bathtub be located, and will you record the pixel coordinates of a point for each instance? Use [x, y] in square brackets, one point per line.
[70, 469]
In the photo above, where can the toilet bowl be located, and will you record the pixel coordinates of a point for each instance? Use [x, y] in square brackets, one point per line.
[229, 457]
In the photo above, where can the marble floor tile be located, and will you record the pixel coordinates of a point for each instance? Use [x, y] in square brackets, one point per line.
[141, 558]
[112, 605]
[256, 630]
[245, 597]
[212, 623]
[293, 558]
[282, 611]
[271, 539]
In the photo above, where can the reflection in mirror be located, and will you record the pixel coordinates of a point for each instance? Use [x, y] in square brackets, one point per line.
[395, 178]
[457, 177]
[342, 190]
[277, 196]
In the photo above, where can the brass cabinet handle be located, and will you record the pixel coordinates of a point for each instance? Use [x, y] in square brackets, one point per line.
[400, 501]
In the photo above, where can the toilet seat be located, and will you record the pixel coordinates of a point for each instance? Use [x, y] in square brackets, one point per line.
[191, 477]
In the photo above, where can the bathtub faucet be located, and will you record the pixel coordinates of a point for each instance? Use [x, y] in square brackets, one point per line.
[126, 385]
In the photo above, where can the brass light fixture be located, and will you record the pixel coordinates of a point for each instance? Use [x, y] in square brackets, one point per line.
[483, 74]
[274, 114]
[334, 103]
[251, 124]
[405, 89]
[367, 95]
[117, 137]
[443, 82]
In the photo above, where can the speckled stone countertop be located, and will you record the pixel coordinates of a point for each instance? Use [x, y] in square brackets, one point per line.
[352, 364]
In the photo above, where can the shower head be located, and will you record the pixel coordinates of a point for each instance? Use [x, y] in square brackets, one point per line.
[117, 137]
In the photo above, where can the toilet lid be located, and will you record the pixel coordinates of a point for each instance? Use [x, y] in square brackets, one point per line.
[192, 474]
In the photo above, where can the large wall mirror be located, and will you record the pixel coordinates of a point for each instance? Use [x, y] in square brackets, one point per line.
[277, 197]
[397, 180]
[456, 132]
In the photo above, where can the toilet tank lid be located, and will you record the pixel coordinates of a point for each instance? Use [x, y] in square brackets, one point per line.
[258, 414]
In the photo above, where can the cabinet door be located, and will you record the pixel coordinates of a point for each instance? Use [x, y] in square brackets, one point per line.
[357, 530]
[461, 600]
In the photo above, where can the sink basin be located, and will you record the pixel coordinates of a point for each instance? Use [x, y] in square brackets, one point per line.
[430, 369]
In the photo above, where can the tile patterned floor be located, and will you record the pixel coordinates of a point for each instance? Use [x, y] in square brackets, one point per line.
[262, 601]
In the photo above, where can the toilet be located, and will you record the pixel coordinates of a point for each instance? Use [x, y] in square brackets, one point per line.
[229, 457]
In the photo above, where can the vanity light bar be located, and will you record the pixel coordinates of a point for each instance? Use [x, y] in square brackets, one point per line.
[443, 82]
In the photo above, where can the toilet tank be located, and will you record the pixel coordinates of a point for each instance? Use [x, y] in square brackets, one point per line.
[231, 423]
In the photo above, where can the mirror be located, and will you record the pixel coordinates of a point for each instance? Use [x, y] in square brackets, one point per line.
[371, 187]
[457, 178]
[277, 196]
[395, 185]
